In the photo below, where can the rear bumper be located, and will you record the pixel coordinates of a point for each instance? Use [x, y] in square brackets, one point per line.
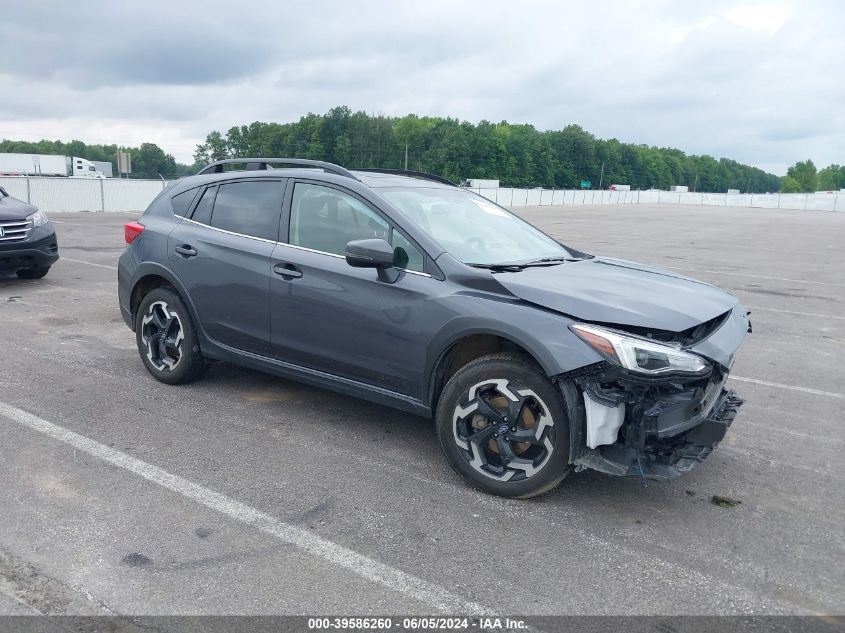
[39, 251]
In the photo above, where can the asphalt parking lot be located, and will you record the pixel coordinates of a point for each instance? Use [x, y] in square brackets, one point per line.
[249, 494]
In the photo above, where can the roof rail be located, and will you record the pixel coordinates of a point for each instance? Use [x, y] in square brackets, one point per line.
[407, 172]
[257, 164]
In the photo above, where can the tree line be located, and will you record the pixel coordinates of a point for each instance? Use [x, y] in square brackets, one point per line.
[803, 176]
[517, 155]
[148, 159]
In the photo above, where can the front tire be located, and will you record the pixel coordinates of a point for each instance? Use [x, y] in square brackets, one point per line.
[167, 339]
[33, 273]
[503, 426]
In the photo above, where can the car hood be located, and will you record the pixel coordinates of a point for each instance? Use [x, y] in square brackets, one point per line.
[14, 209]
[619, 292]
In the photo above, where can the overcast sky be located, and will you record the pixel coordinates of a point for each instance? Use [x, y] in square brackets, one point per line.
[762, 82]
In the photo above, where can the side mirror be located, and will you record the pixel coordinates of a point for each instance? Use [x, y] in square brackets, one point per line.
[375, 253]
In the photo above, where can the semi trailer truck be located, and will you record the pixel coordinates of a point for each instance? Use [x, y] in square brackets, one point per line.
[47, 165]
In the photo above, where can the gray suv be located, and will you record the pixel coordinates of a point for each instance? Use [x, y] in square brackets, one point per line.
[402, 288]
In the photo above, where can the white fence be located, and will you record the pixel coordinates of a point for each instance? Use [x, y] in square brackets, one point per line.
[82, 194]
[509, 197]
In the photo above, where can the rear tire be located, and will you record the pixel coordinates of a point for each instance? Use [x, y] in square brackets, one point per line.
[167, 339]
[33, 273]
[503, 426]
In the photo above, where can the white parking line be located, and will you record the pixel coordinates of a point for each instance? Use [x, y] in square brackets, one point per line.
[809, 314]
[733, 274]
[89, 225]
[779, 385]
[394, 579]
[82, 261]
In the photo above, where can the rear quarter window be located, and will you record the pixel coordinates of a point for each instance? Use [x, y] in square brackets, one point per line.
[181, 202]
[202, 213]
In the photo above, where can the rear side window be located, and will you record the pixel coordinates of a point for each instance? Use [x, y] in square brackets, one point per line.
[181, 202]
[249, 208]
[203, 211]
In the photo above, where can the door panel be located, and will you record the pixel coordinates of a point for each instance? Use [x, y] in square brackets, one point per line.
[222, 255]
[229, 281]
[344, 321]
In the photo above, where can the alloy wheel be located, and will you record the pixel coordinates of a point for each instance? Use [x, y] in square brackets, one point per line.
[162, 335]
[506, 432]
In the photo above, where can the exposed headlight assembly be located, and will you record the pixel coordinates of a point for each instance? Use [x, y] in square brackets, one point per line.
[38, 219]
[640, 355]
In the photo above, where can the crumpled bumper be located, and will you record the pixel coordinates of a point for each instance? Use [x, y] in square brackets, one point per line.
[669, 456]
[655, 427]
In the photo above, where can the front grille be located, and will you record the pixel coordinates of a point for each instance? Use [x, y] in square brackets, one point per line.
[14, 230]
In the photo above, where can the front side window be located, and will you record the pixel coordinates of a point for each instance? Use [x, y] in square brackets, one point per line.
[249, 208]
[325, 219]
[471, 228]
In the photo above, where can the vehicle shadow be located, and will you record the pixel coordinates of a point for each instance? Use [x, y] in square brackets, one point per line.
[413, 439]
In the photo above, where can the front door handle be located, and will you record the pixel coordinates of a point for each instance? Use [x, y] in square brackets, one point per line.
[185, 251]
[287, 271]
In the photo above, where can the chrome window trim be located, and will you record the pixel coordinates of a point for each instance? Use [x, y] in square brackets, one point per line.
[312, 250]
[214, 228]
[277, 243]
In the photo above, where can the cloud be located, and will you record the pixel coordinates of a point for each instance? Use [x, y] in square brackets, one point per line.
[758, 82]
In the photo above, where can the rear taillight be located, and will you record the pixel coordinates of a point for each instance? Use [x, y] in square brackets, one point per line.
[132, 230]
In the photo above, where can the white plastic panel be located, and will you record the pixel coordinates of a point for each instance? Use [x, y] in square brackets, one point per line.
[603, 422]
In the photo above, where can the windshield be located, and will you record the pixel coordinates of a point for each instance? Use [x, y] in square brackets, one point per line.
[471, 228]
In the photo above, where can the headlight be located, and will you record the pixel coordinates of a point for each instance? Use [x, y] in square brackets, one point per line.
[639, 354]
[38, 219]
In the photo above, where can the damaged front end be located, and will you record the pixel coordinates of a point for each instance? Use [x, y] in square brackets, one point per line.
[657, 406]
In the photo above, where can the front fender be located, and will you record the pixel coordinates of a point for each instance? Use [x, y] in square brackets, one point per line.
[545, 335]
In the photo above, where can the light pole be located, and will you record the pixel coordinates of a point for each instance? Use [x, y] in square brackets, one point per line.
[601, 177]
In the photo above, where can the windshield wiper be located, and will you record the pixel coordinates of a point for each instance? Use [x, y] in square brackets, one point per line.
[500, 267]
[554, 260]
[517, 266]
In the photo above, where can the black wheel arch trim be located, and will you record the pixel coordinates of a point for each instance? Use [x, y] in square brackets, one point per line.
[152, 269]
[551, 363]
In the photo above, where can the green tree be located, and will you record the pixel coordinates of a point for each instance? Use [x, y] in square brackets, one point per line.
[805, 174]
[214, 148]
[789, 184]
[150, 161]
[409, 131]
[343, 150]
[832, 178]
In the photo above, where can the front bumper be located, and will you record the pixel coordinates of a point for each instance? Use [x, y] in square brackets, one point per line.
[646, 451]
[39, 251]
[627, 423]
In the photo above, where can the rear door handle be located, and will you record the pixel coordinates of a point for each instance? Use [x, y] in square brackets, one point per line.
[287, 271]
[185, 251]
